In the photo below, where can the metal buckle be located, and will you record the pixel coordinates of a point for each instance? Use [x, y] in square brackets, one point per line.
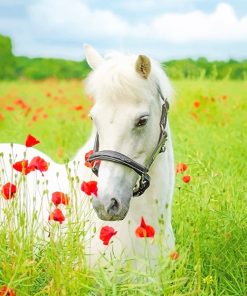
[95, 169]
[144, 183]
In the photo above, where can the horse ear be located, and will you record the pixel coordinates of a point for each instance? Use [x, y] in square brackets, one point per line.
[143, 66]
[94, 59]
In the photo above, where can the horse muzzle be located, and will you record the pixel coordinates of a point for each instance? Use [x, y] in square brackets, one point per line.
[112, 210]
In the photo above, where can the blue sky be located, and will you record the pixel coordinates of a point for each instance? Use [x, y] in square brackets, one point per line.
[159, 28]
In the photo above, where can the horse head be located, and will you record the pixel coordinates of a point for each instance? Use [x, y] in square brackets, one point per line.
[126, 115]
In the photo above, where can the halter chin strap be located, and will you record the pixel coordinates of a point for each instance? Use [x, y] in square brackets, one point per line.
[117, 157]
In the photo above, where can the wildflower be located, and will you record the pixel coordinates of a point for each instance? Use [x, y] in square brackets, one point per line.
[22, 167]
[174, 255]
[35, 117]
[78, 108]
[1, 117]
[31, 141]
[208, 280]
[9, 108]
[106, 233]
[90, 164]
[6, 291]
[181, 167]
[21, 103]
[8, 190]
[39, 164]
[57, 215]
[186, 179]
[197, 104]
[59, 198]
[144, 230]
[89, 187]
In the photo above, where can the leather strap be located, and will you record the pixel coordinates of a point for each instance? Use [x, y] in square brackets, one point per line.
[117, 157]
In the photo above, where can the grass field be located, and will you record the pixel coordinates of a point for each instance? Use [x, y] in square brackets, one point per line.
[208, 121]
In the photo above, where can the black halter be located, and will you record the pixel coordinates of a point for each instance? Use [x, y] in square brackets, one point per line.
[120, 158]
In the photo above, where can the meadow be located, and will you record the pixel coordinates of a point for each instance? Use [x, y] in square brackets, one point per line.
[208, 122]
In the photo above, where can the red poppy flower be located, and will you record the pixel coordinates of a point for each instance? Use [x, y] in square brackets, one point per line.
[8, 190]
[78, 108]
[1, 117]
[186, 179]
[6, 291]
[89, 187]
[197, 104]
[39, 164]
[35, 117]
[59, 198]
[106, 233]
[144, 230]
[57, 215]
[22, 167]
[181, 167]
[90, 164]
[174, 255]
[9, 108]
[21, 103]
[31, 141]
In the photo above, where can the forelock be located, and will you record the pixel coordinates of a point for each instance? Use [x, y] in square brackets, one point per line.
[117, 79]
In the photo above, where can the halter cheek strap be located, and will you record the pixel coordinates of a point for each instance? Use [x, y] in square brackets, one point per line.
[117, 157]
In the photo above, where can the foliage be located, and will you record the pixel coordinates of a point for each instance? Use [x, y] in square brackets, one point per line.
[209, 213]
[202, 68]
[41, 68]
[12, 67]
[7, 60]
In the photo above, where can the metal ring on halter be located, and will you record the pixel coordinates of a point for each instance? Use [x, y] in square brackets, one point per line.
[117, 157]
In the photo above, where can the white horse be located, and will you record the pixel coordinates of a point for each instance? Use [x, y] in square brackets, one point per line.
[127, 109]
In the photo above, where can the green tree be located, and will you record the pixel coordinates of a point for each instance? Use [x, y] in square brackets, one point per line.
[7, 59]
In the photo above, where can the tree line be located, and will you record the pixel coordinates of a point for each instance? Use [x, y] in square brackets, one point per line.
[15, 67]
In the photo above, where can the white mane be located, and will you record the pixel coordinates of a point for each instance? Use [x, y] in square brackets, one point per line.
[117, 76]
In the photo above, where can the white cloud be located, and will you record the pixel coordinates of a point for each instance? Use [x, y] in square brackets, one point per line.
[72, 18]
[221, 25]
[59, 27]
[138, 6]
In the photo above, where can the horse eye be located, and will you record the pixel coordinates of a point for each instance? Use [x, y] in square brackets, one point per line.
[142, 121]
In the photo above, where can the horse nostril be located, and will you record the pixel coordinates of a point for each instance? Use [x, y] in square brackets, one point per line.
[113, 207]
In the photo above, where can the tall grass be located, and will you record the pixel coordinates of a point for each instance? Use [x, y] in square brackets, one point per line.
[209, 212]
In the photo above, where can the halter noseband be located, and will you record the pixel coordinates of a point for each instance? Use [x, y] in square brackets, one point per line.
[117, 157]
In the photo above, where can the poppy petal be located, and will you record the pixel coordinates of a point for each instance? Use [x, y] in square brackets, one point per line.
[31, 141]
[144, 230]
[8, 190]
[106, 233]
